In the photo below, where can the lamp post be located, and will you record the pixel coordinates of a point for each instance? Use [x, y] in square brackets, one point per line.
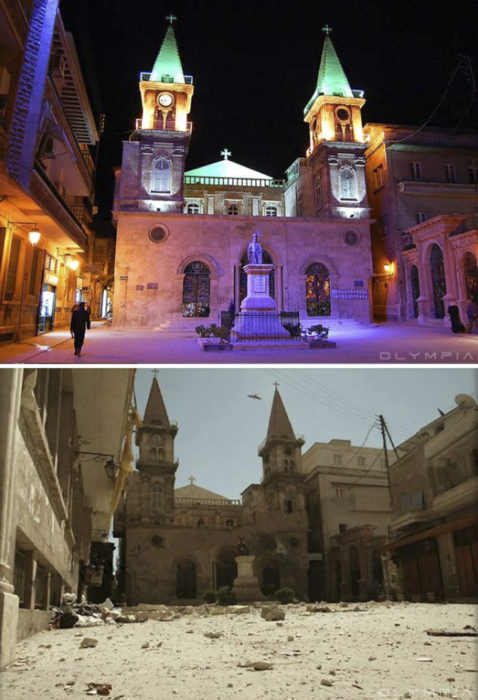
[34, 236]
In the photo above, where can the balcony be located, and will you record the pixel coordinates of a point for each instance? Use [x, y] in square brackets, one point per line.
[159, 126]
[436, 186]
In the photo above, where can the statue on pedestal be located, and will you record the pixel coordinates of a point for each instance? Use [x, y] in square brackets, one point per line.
[254, 251]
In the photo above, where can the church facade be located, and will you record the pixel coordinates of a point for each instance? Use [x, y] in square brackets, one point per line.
[177, 544]
[182, 235]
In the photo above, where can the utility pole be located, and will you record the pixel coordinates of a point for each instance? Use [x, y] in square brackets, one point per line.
[385, 432]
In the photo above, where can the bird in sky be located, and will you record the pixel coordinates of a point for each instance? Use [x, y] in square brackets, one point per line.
[254, 396]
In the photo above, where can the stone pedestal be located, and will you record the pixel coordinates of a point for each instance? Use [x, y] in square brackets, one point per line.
[258, 318]
[246, 586]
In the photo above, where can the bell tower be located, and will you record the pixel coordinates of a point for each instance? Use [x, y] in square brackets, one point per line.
[281, 450]
[331, 182]
[155, 439]
[152, 172]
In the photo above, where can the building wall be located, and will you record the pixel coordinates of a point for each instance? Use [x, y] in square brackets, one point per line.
[434, 489]
[408, 182]
[152, 293]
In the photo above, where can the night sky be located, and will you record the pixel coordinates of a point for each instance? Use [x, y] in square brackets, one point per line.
[255, 67]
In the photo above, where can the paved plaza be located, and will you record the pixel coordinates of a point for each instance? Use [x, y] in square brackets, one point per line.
[396, 343]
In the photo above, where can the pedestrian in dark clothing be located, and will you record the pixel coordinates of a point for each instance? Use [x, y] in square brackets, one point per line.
[80, 321]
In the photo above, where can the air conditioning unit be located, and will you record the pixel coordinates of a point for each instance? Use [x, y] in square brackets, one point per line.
[58, 65]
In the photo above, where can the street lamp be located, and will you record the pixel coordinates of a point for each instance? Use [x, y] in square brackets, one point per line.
[34, 236]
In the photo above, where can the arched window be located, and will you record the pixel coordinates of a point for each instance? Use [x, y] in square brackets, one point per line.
[271, 210]
[162, 175]
[471, 276]
[156, 498]
[232, 210]
[438, 280]
[317, 290]
[193, 208]
[186, 576]
[347, 183]
[196, 290]
[266, 258]
[415, 288]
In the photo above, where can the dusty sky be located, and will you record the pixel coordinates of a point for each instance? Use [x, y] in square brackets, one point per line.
[220, 428]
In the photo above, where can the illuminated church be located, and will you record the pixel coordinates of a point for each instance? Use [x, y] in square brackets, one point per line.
[374, 222]
[182, 235]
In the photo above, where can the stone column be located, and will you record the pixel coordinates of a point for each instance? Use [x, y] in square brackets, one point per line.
[10, 395]
[30, 576]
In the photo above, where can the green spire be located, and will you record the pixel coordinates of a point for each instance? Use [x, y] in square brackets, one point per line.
[331, 79]
[167, 67]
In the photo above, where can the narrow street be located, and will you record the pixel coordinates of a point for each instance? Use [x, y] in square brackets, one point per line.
[331, 651]
[396, 343]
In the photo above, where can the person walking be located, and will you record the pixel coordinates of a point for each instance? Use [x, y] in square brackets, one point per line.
[80, 321]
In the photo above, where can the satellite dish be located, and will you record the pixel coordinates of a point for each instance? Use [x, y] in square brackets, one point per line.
[464, 400]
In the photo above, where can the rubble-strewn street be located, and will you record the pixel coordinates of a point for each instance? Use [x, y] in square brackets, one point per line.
[346, 651]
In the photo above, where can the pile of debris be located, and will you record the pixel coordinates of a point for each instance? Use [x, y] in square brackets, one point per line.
[73, 614]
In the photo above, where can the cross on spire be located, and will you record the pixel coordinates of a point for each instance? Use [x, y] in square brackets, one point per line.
[191, 480]
[171, 18]
[276, 384]
[226, 153]
[155, 372]
[327, 29]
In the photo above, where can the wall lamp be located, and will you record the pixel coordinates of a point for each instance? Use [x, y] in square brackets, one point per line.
[69, 260]
[111, 465]
[389, 270]
[34, 234]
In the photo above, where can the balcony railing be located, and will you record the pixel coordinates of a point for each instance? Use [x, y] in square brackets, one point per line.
[207, 502]
[158, 125]
[439, 180]
[146, 77]
[232, 181]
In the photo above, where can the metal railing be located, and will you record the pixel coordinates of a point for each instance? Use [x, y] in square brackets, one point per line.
[254, 327]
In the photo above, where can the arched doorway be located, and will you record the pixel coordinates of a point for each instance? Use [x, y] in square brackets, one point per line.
[267, 260]
[415, 282]
[438, 280]
[471, 276]
[354, 571]
[226, 568]
[186, 579]
[196, 290]
[317, 290]
[270, 577]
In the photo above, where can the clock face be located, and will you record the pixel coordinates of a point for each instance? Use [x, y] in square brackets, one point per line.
[156, 439]
[165, 99]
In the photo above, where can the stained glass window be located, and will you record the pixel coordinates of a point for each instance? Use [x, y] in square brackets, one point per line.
[438, 280]
[196, 290]
[317, 290]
